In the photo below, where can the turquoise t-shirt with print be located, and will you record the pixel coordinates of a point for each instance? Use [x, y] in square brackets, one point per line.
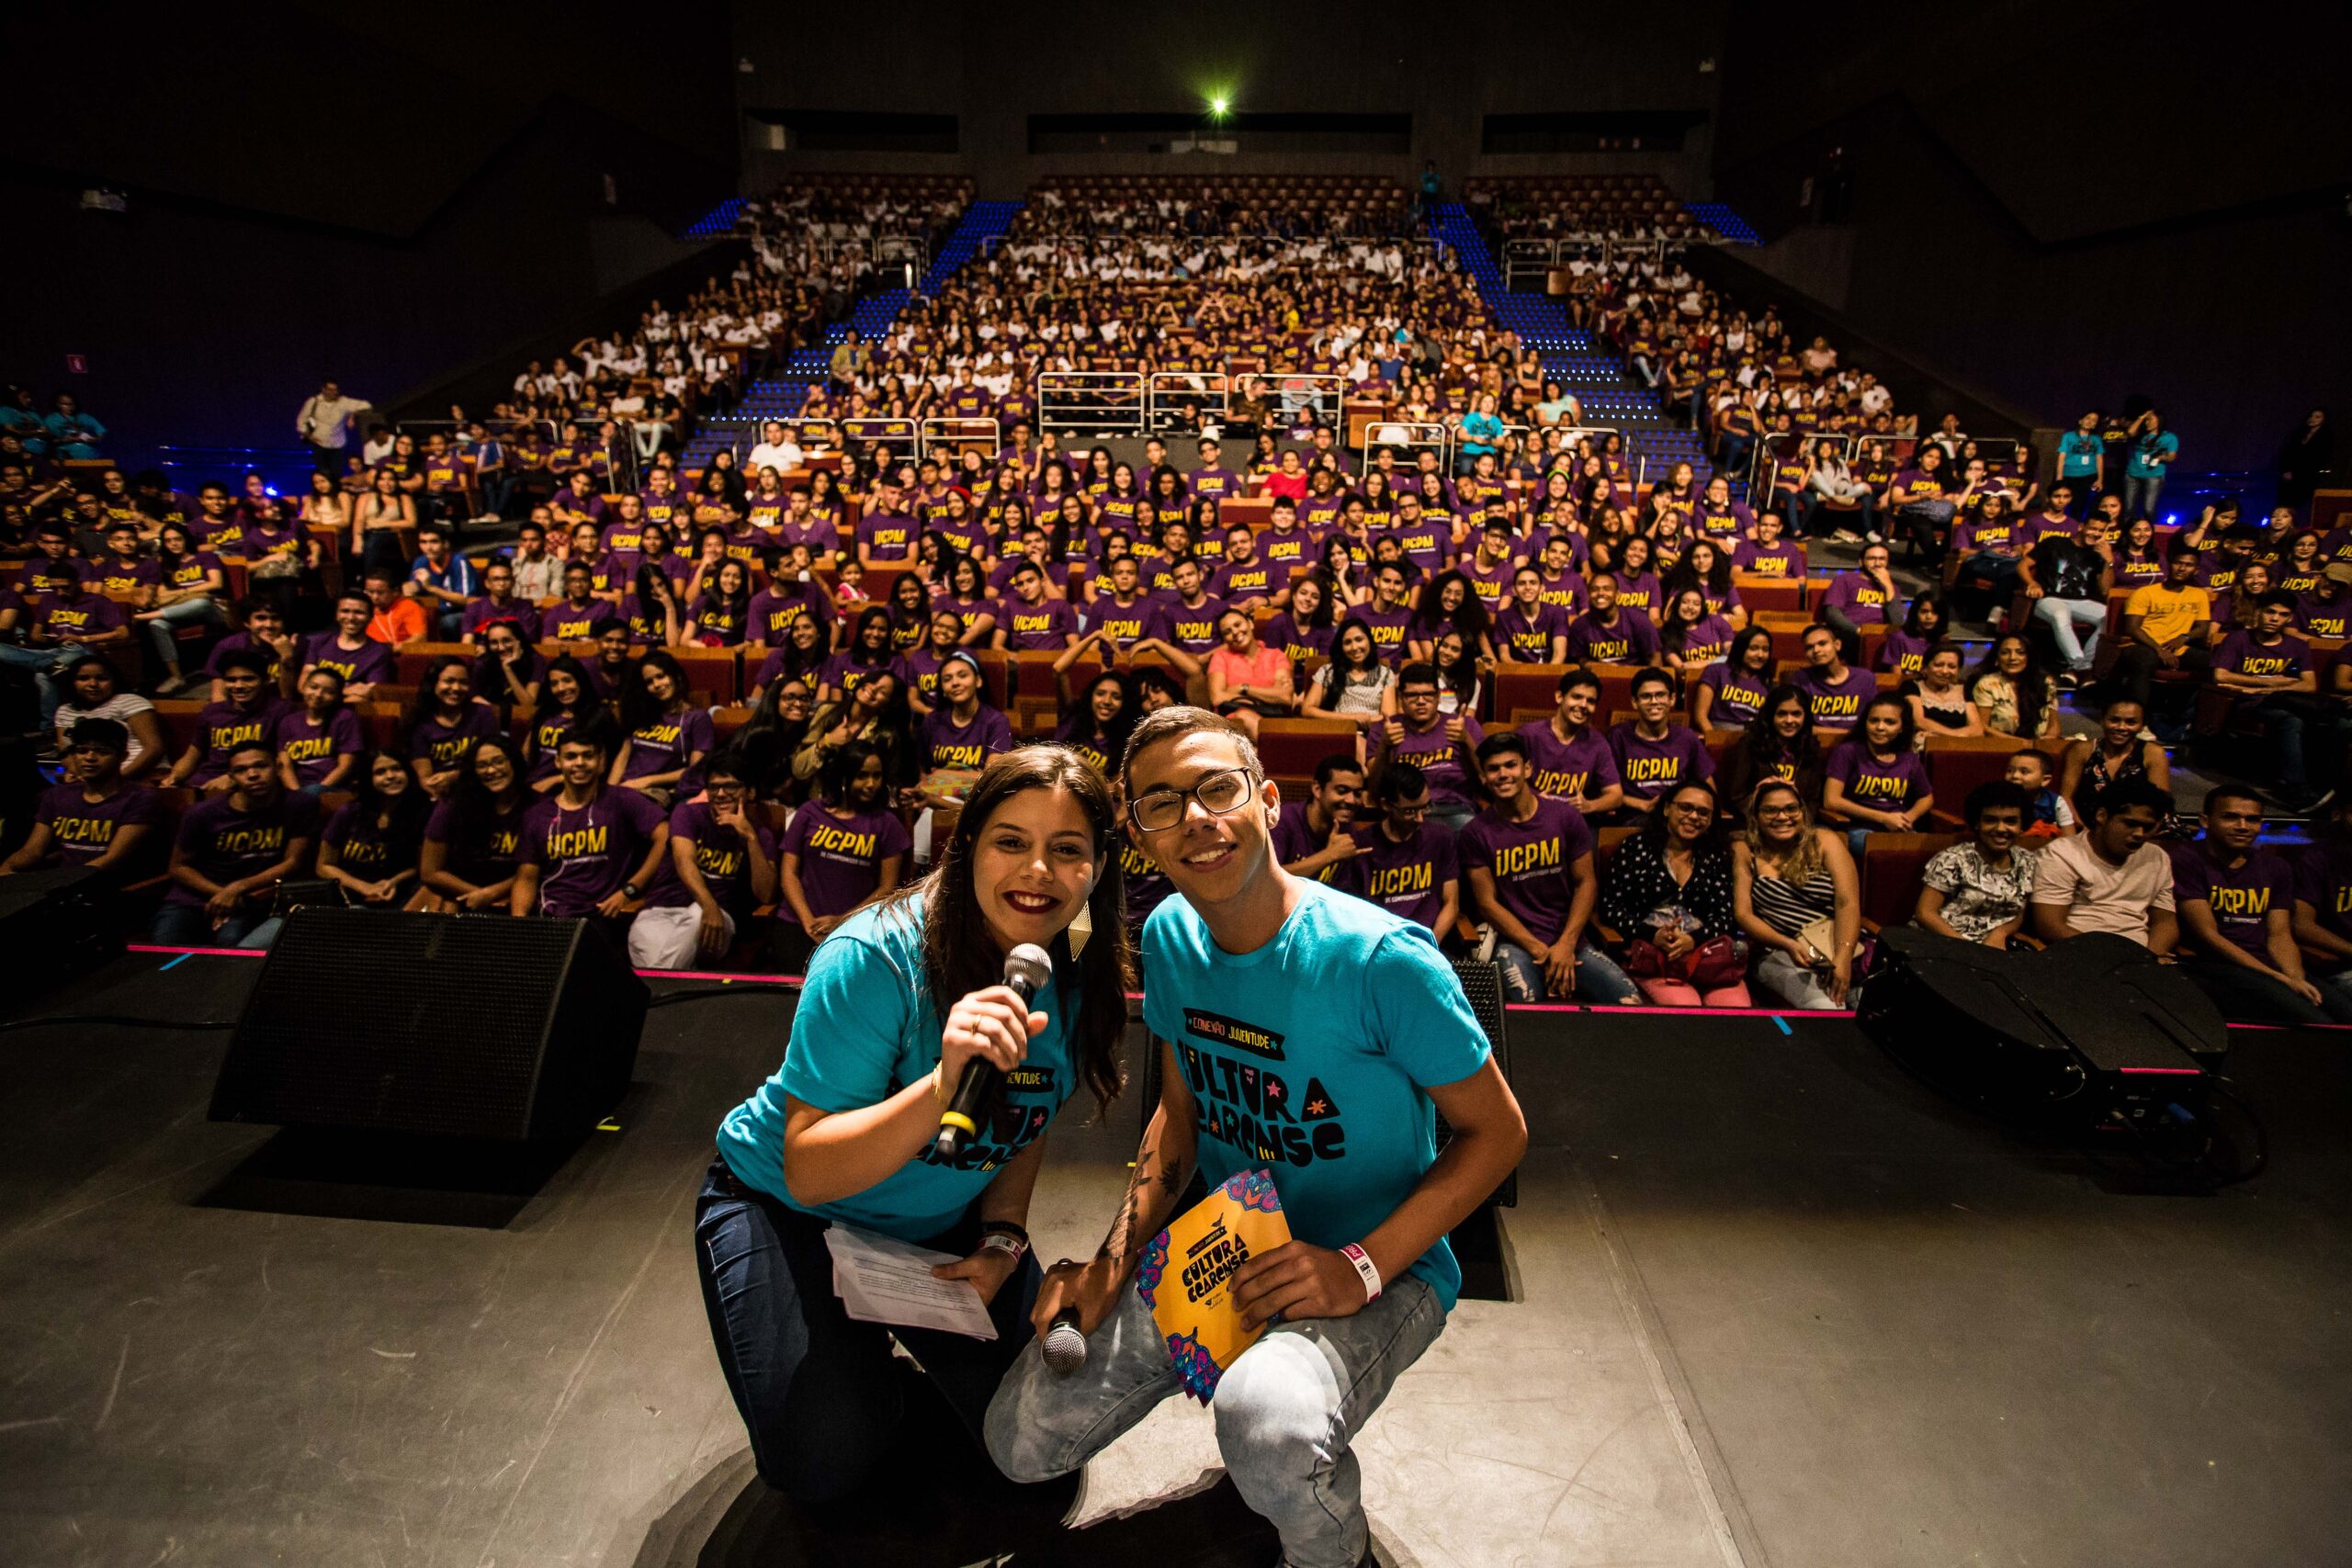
[865, 1028]
[1312, 1058]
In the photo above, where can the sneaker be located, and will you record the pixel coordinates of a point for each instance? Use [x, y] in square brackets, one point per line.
[1847, 536]
[2313, 804]
[2069, 680]
[171, 683]
[1874, 537]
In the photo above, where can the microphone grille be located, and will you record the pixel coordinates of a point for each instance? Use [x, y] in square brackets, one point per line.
[1031, 965]
[1064, 1350]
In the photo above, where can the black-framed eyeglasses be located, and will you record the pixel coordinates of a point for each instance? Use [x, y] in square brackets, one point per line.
[1220, 794]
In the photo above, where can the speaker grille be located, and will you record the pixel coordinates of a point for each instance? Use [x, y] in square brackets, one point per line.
[411, 1022]
[1483, 984]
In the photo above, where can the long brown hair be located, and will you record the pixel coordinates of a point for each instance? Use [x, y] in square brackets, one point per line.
[961, 954]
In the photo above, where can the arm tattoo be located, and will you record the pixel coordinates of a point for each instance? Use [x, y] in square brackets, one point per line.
[1121, 1242]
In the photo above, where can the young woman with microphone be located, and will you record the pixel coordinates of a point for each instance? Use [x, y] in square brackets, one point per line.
[901, 999]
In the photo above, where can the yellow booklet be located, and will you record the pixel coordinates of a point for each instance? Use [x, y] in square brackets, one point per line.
[1187, 1272]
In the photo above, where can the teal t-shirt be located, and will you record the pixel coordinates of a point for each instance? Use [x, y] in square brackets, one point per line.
[1312, 1058]
[2146, 450]
[866, 1029]
[2079, 454]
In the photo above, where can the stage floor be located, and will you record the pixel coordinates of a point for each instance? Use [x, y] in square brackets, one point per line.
[1773, 1304]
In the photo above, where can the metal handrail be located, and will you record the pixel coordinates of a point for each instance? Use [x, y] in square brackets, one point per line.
[1168, 388]
[1408, 436]
[1109, 401]
[958, 432]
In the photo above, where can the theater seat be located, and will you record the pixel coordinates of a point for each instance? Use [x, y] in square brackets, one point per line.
[1891, 868]
[1294, 746]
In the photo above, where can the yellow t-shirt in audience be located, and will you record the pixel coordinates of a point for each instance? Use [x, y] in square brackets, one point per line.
[2166, 612]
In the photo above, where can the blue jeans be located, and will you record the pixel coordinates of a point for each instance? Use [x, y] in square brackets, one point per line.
[816, 1388]
[162, 631]
[187, 925]
[2061, 616]
[42, 662]
[1287, 1410]
[1598, 978]
[2140, 496]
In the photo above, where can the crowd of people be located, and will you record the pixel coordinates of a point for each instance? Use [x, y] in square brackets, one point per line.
[552, 727]
[556, 749]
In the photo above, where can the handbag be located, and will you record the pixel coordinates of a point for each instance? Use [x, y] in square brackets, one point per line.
[1712, 965]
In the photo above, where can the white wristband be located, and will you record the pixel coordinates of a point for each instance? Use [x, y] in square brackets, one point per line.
[1365, 1269]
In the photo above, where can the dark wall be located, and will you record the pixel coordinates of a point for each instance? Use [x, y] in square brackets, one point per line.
[994, 68]
[316, 192]
[208, 327]
[2163, 223]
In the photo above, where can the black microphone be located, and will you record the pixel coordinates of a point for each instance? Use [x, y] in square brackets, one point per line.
[1064, 1350]
[1027, 969]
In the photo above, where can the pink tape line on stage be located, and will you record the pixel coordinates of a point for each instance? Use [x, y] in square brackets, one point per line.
[755, 979]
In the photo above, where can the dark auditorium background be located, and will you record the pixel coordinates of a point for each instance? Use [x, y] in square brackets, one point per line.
[2046, 205]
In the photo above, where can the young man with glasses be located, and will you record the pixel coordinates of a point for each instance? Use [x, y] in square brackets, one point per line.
[1308, 1032]
[1443, 746]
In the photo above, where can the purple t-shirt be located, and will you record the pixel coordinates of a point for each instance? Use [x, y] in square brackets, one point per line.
[1295, 838]
[1640, 593]
[1148, 886]
[2240, 896]
[585, 854]
[1649, 768]
[1632, 640]
[220, 726]
[568, 623]
[1881, 785]
[1864, 603]
[1193, 627]
[1837, 703]
[1407, 879]
[844, 672]
[886, 536]
[312, 747]
[719, 856]
[1282, 550]
[1780, 559]
[223, 843]
[1285, 635]
[1259, 580]
[1529, 861]
[1043, 627]
[1441, 759]
[774, 607]
[1902, 654]
[370, 662]
[1128, 623]
[1574, 770]
[446, 745]
[840, 858]
[2323, 880]
[946, 744]
[482, 612]
[1708, 639]
[1529, 642]
[2242, 653]
[82, 829]
[665, 745]
[1739, 697]
[1389, 628]
[482, 852]
[367, 848]
[2323, 617]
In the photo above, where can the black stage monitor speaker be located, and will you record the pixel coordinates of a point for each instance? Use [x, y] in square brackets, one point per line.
[56, 923]
[1483, 984]
[2093, 1025]
[463, 1026]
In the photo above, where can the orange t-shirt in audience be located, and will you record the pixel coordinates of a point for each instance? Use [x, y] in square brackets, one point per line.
[405, 622]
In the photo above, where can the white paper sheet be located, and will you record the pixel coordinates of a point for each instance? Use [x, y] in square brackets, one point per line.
[882, 1280]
